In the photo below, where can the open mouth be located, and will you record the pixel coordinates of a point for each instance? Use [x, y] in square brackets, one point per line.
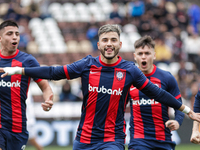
[14, 43]
[144, 63]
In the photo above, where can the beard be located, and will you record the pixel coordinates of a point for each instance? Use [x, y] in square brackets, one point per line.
[116, 51]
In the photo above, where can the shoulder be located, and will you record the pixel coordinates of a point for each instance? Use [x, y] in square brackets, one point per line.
[166, 76]
[128, 64]
[164, 73]
[28, 59]
[25, 55]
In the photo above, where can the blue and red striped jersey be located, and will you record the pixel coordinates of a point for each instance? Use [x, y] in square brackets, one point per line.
[148, 116]
[13, 92]
[197, 102]
[105, 91]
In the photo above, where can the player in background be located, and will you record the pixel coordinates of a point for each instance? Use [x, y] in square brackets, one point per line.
[150, 125]
[106, 80]
[13, 132]
[195, 137]
[31, 122]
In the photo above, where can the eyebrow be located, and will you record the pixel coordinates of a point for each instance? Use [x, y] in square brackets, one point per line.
[12, 32]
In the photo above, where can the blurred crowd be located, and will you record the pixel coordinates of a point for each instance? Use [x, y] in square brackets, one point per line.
[175, 26]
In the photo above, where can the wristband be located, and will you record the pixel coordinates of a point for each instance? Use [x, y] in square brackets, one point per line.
[13, 70]
[186, 110]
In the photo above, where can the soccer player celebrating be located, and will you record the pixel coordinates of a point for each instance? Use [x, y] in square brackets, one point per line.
[13, 90]
[149, 124]
[106, 80]
[195, 137]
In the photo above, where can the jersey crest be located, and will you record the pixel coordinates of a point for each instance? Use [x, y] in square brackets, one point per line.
[119, 75]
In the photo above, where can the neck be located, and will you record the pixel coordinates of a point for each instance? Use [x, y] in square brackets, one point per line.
[109, 61]
[5, 52]
[149, 70]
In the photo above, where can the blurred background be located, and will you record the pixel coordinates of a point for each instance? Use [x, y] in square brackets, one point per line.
[59, 32]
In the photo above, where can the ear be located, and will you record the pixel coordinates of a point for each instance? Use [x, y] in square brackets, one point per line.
[154, 55]
[134, 56]
[120, 44]
[98, 45]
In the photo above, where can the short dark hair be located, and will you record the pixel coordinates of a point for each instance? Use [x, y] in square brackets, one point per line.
[109, 28]
[8, 23]
[145, 41]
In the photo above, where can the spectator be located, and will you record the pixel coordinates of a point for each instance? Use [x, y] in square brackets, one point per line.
[181, 15]
[66, 94]
[114, 15]
[137, 8]
[92, 35]
[163, 52]
[194, 16]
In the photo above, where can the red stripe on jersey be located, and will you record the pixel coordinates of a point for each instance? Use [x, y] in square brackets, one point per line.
[118, 84]
[66, 72]
[178, 96]
[94, 78]
[137, 117]
[145, 83]
[16, 99]
[157, 115]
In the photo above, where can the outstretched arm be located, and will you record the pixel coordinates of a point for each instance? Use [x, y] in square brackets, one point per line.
[46, 72]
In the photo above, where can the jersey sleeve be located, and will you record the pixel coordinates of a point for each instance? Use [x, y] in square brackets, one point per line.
[75, 69]
[197, 102]
[174, 90]
[152, 91]
[71, 71]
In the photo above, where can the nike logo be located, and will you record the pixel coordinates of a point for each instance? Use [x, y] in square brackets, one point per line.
[131, 89]
[92, 72]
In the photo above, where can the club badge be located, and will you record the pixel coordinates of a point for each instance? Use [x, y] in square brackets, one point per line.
[119, 75]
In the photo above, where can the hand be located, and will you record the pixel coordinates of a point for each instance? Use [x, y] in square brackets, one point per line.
[10, 71]
[194, 116]
[195, 137]
[47, 105]
[172, 125]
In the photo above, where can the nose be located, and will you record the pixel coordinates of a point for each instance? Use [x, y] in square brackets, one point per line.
[143, 56]
[109, 43]
[15, 36]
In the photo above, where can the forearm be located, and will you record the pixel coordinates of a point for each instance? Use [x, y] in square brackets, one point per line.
[46, 89]
[37, 72]
[51, 73]
[195, 126]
